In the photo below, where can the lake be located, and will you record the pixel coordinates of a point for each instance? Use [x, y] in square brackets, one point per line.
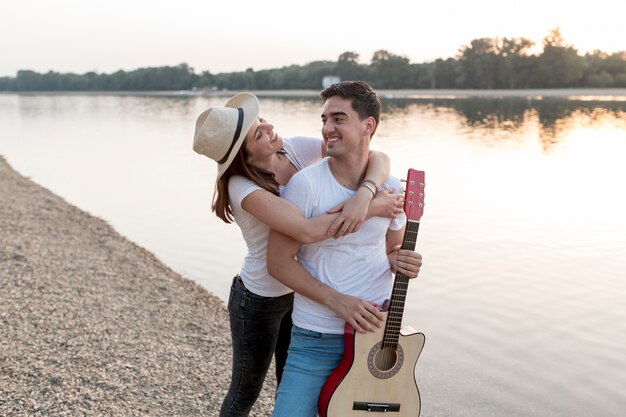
[522, 296]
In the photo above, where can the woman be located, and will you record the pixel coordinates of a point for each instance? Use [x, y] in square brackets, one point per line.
[253, 163]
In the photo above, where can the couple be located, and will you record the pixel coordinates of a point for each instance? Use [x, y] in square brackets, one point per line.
[303, 197]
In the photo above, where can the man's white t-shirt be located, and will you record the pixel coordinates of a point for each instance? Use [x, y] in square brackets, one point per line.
[355, 264]
[302, 152]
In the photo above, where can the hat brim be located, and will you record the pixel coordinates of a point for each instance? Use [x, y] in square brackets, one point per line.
[249, 103]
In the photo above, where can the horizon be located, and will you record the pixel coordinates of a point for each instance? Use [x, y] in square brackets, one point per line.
[125, 36]
[533, 50]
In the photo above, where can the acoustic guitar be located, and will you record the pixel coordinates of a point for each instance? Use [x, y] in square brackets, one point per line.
[377, 371]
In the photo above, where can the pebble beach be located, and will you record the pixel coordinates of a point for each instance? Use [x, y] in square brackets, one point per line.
[93, 325]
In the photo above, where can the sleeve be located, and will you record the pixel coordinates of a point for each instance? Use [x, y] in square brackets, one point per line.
[298, 192]
[238, 189]
[400, 220]
[303, 151]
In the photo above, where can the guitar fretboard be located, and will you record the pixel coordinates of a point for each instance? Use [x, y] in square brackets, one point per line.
[398, 294]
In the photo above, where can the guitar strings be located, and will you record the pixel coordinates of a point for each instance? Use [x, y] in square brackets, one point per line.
[396, 308]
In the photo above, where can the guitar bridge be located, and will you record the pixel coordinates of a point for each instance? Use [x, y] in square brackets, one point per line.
[375, 407]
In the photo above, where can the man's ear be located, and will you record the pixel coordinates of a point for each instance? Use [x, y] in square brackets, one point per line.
[370, 125]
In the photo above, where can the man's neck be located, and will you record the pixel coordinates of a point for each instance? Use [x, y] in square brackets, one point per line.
[349, 171]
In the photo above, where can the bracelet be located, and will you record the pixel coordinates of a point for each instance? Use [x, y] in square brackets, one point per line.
[373, 187]
[371, 182]
[369, 187]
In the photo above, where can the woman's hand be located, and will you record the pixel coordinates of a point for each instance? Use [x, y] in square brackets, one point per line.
[407, 262]
[353, 214]
[386, 204]
[361, 206]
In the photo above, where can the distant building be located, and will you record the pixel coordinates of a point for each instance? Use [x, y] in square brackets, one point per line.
[329, 80]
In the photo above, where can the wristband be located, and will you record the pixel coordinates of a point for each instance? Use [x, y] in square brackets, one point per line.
[369, 187]
[366, 181]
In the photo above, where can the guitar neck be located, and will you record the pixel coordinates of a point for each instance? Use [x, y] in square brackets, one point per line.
[398, 294]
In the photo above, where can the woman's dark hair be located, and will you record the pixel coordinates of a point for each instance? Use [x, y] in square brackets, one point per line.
[240, 166]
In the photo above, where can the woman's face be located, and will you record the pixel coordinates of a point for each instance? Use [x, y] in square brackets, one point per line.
[261, 141]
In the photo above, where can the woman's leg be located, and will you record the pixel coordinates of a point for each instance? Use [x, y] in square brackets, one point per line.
[255, 324]
[282, 346]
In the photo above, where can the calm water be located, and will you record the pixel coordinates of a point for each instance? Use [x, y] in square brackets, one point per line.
[522, 296]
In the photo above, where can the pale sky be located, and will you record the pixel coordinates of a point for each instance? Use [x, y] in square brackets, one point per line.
[232, 35]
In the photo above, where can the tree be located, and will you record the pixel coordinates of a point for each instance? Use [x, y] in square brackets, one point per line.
[27, 80]
[445, 74]
[483, 63]
[600, 80]
[7, 84]
[348, 67]
[421, 76]
[603, 69]
[480, 65]
[616, 63]
[559, 64]
[205, 79]
[389, 70]
[620, 80]
[513, 53]
[349, 57]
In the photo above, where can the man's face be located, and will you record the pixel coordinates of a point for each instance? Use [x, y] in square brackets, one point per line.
[342, 129]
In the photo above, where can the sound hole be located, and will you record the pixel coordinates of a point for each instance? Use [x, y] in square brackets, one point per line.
[385, 359]
[384, 363]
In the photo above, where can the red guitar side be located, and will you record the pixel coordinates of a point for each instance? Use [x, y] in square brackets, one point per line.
[377, 370]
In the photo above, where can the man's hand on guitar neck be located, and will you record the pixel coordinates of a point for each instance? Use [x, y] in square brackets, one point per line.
[362, 315]
[406, 262]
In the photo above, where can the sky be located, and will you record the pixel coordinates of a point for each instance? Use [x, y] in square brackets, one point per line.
[232, 35]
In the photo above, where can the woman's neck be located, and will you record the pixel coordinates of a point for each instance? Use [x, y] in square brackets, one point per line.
[284, 169]
[280, 166]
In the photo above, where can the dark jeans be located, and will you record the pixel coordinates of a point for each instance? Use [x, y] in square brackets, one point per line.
[260, 328]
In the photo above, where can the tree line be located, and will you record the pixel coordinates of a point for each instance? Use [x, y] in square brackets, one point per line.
[485, 63]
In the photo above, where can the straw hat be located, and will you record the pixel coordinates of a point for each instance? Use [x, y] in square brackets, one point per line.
[221, 130]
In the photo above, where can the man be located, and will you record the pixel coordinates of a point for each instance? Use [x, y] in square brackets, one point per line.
[336, 280]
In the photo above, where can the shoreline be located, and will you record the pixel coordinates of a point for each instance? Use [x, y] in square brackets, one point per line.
[618, 94]
[93, 324]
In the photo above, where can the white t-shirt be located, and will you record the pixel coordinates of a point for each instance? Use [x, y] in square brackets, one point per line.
[355, 264]
[302, 152]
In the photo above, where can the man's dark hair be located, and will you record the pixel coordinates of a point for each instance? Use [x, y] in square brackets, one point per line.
[365, 100]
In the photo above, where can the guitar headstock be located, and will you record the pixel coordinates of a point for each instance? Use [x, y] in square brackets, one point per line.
[414, 194]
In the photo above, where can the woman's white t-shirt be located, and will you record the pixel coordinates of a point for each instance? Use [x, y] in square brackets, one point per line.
[302, 151]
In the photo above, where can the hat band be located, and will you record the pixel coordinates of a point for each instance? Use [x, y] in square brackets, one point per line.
[235, 137]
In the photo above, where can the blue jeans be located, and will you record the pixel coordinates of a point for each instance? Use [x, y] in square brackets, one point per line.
[260, 328]
[312, 357]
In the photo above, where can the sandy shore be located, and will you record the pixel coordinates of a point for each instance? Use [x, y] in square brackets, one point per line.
[93, 325]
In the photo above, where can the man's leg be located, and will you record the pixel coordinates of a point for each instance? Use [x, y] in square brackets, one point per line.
[311, 359]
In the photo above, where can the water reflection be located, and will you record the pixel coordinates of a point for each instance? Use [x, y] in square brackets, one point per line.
[488, 119]
[511, 117]
[31, 105]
